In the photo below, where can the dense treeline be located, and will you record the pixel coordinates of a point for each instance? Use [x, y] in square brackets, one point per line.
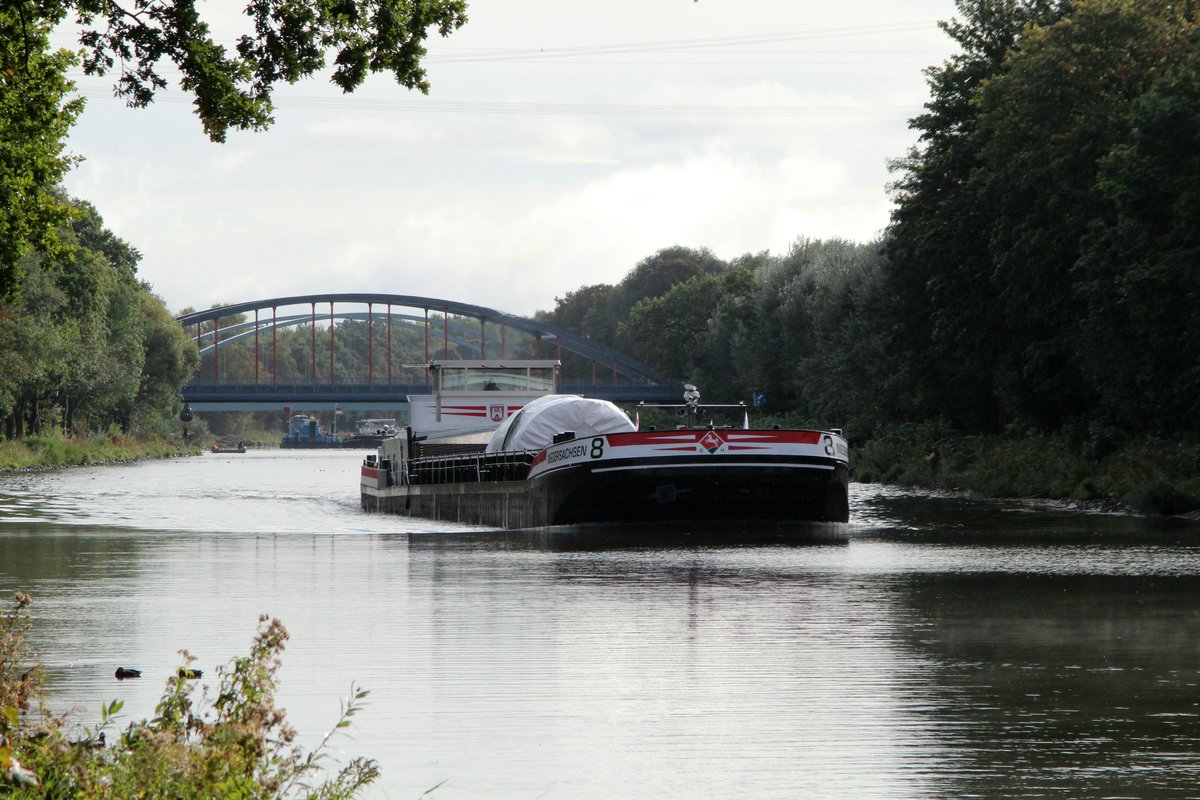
[797, 329]
[85, 345]
[1043, 251]
[1041, 269]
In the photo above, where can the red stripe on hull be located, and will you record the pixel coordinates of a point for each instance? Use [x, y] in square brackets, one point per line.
[642, 439]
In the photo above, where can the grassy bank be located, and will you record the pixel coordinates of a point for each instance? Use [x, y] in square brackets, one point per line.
[1151, 476]
[253, 436]
[57, 450]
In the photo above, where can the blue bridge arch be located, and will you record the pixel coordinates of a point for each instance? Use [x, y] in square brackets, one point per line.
[253, 326]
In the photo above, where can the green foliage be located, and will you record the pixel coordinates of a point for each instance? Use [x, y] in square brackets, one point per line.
[1046, 124]
[1041, 249]
[590, 311]
[1162, 496]
[655, 275]
[827, 358]
[288, 41]
[86, 344]
[599, 311]
[1153, 476]
[1140, 283]
[236, 744]
[802, 328]
[906, 454]
[36, 111]
[169, 359]
[944, 316]
[666, 331]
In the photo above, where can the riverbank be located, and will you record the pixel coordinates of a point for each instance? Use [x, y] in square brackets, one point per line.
[1148, 476]
[56, 450]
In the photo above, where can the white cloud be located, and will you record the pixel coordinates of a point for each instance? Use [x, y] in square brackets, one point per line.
[512, 209]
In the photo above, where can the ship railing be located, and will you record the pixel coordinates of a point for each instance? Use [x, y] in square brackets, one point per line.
[509, 465]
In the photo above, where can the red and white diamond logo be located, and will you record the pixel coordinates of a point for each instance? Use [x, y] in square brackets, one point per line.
[711, 441]
[496, 413]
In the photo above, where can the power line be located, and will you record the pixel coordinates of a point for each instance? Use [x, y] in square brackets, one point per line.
[714, 46]
[485, 107]
[448, 54]
[672, 45]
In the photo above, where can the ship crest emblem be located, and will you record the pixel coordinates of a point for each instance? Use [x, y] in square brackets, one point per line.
[496, 413]
[712, 441]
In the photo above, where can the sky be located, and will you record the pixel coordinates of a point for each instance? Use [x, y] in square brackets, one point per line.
[561, 143]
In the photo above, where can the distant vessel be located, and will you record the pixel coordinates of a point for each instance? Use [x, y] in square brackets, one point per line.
[371, 433]
[567, 460]
[303, 431]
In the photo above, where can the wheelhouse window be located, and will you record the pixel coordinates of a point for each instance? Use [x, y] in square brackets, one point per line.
[520, 377]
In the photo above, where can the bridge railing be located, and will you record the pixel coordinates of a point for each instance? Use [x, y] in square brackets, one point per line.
[232, 392]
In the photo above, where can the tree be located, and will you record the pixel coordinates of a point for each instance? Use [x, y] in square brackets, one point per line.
[289, 41]
[1044, 242]
[939, 261]
[36, 111]
[86, 343]
[44, 343]
[844, 376]
[727, 366]
[1046, 124]
[1139, 283]
[136, 39]
[655, 275]
[589, 311]
[666, 331]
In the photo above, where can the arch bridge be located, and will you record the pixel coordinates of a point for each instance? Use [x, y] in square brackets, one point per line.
[369, 351]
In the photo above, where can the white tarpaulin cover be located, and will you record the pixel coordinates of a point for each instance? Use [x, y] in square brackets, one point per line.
[534, 426]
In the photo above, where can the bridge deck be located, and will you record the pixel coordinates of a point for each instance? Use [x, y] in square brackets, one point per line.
[384, 396]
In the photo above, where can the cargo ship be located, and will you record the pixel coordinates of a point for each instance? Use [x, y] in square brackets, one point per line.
[540, 459]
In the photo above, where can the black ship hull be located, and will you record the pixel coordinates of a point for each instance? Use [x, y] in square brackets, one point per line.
[636, 491]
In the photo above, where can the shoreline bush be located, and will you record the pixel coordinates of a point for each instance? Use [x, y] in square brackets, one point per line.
[236, 744]
[1148, 476]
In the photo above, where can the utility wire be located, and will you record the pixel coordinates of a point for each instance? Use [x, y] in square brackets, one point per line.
[428, 105]
[672, 45]
[714, 46]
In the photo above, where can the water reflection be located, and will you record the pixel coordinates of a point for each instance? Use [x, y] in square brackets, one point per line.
[639, 536]
[913, 515]
[676, 671]
[1059, 685]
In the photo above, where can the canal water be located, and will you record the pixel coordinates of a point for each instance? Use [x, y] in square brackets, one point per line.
[935, 647]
